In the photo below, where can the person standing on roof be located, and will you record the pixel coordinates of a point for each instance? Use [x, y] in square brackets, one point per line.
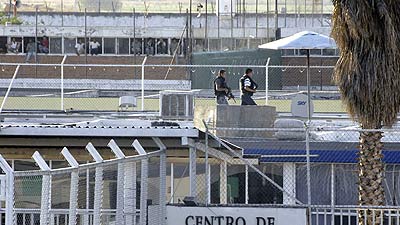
[247, 87]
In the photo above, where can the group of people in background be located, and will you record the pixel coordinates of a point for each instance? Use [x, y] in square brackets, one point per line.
[31, 49]
[94, 47]
[247, 88]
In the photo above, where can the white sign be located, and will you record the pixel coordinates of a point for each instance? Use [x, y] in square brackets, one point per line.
[299, 106]
[225, 7]
[183, 215]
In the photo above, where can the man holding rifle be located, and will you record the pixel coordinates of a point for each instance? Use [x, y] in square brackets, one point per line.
[221, 89]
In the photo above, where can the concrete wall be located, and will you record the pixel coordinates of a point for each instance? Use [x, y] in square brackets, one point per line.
[236, 116]
[162, 25]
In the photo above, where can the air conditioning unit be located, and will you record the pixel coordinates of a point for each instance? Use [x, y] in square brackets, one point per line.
[127, 101]
[176, 104]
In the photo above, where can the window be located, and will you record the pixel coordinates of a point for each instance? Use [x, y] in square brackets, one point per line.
[315, 52]
[69, 45]
[198, 45]
[149, 46]
[55, 45]
[19, 43]
[162, 46]
[123, 46]
[26, 41]
[175, 47]
[254, 43]
[288, 52]
[227, 44]
[240, 44]
[136, 46]
[329, 52]
[109, 45]
[214, 44]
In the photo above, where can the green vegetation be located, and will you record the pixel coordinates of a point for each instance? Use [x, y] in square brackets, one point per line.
[5, 19]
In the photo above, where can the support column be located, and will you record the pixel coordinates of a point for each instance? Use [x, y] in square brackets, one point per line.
[130, 193]
[223, 184]
[144, 191]
[192, 171]
[289, 183]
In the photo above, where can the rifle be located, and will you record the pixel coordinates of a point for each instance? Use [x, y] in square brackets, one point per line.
[230, 95]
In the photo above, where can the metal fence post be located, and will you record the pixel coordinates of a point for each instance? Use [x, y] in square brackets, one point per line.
[98, 184]
[73, 194]
[144, 191]
[73, 197]
[143, 63]
[207, 170]
[246, 185]
[266, 80]
[45, 202]
[308, 171]
[163, 177]
[130, 193]
[120, 181]
[62, 82]
[163, 187]
[223, 184]
[9, 89]
[192, 171]
[98, 195]
[172, 184]
[10, 215]
[143, 181]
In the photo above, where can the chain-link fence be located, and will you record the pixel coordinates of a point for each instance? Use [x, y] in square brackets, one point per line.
[300, 7]
[312, 166]
[117, 191]
[76, 86]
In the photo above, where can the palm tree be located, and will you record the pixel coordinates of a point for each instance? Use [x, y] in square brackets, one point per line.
[368, 75]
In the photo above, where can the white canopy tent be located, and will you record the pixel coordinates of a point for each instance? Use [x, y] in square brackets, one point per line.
[303, 40]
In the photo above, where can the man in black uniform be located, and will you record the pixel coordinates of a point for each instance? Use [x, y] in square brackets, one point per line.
[221, 89]
[247, 87]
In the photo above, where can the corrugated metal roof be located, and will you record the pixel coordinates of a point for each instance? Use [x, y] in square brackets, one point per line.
[111, 128]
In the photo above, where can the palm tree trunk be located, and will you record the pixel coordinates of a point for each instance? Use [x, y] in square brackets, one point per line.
[370, 177]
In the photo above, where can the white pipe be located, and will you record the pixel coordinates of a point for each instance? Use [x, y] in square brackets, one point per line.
[266, 80]
[172, 184]
[246, 186]
[9, 88]
[62, 82]
[144, 62]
